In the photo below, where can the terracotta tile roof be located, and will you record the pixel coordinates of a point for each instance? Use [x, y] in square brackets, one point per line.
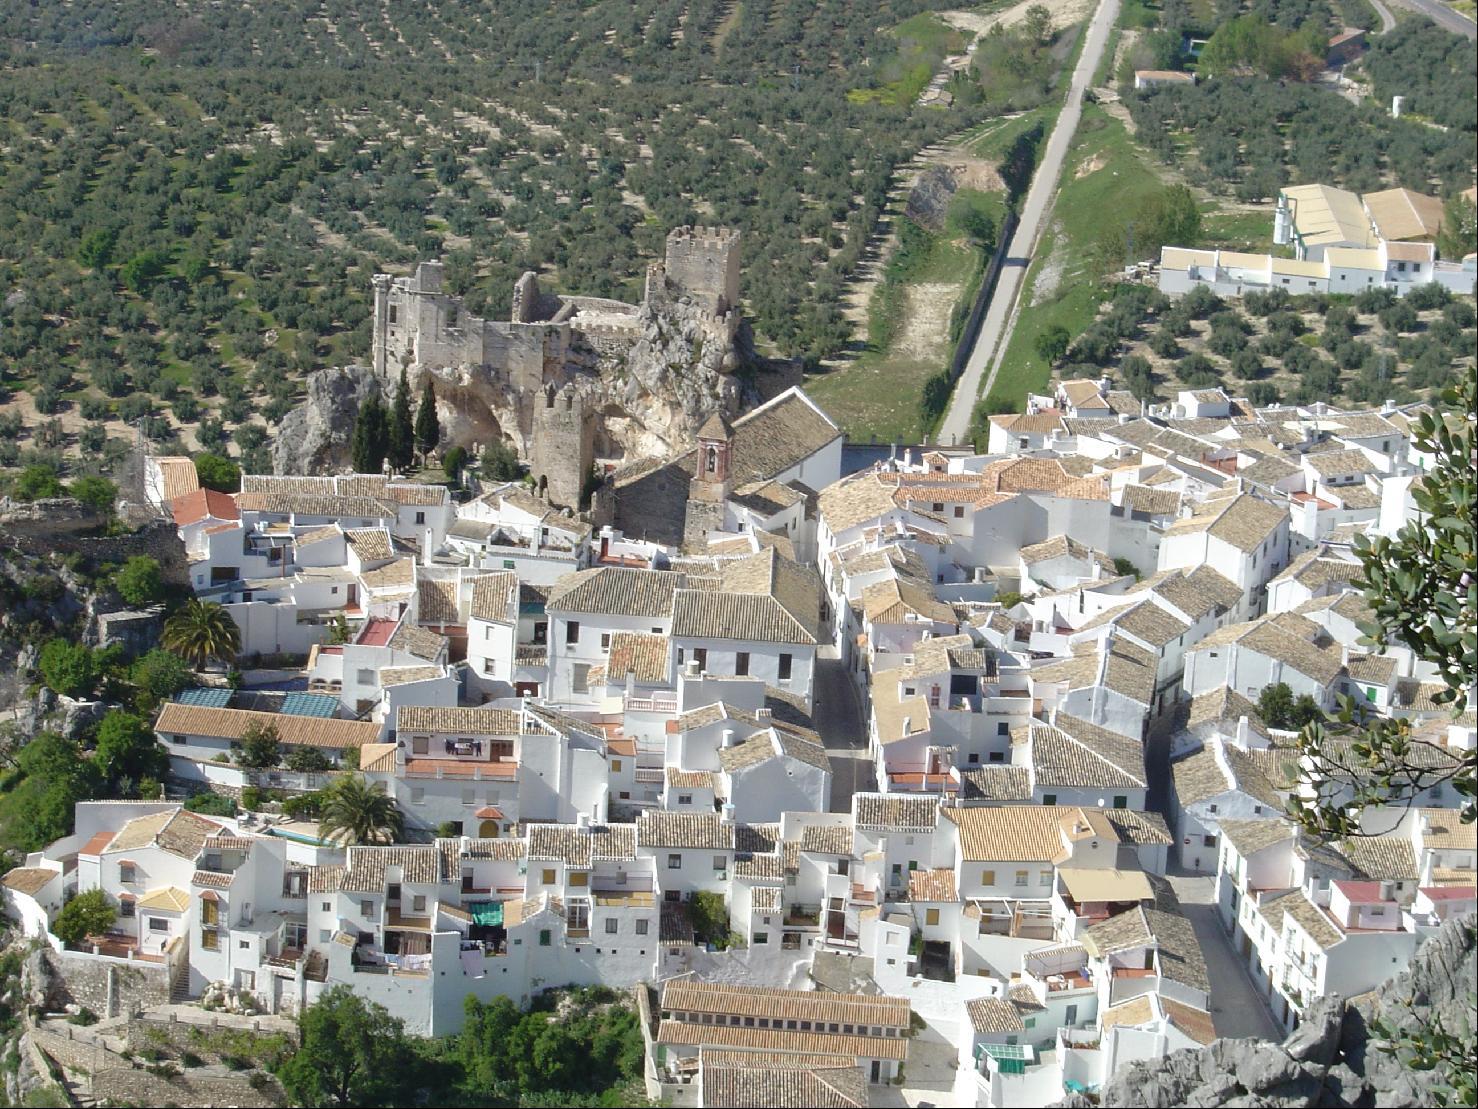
[892, 812]
[640, 654]
[781, 1081]
[1243, 521]
[29, 880]
[368, 867]
[1013, 833]
[615, 591]
[826, 839]
[1381, 858]
[1139, 828]
[1252, 836]
[1198, 777]
[687, 995]
[418, 642]
[370, 544]
[211, 879]
[1195, 1023]
[1128, 1014]
[178, 831]
[932, 885]
[326, 878]
[1077, 754]
[996, 783]
[690, 779]
[464, 721]
[1223, 703]
[451, 853]
[1153, 502]
[1308, 916]
[684, 830]
[393, 577]
[203, 504]
[738, 616]
[579, 847]
[857, 499]
[893, 600]
[233, 724]
[177, 475]
[401, 675]
[493, 595]
[994, 1014]
[436, 602]
[299, 504]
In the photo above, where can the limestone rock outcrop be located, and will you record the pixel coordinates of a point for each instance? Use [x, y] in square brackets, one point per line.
[314, 437]
[1332, 1058]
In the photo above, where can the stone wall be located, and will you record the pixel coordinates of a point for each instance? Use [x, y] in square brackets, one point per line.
[102, 984]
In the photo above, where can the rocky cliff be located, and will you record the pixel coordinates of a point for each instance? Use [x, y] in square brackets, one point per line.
[651, 388]
[1332, 1058]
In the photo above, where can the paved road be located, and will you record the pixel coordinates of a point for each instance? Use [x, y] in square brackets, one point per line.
[995, 330]
[1387, 20]
[1441, 15]
[1237, 1007]
[837, 714]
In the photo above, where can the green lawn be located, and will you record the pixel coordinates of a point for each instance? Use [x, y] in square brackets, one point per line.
[924, 40]
[1121, 183]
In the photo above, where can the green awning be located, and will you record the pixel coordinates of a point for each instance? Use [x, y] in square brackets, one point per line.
[487, 913]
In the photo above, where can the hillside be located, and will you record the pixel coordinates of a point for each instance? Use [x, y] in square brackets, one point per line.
[195, 195]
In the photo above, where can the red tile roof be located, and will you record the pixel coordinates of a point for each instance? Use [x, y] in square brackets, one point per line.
[204, 504]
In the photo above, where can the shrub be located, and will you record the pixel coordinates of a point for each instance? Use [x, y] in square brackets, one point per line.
[211, 804]
[87, 914]
[139, 581]
[67, 668]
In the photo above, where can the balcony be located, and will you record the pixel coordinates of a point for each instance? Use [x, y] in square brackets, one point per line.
[803, 916]
[651, 704]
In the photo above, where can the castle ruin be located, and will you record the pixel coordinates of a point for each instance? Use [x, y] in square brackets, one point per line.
[548, 360]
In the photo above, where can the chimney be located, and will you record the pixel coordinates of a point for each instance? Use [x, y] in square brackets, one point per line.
[582, 820]
[908, 725]
[1242, 732]
[730, 737]
[692, 669]
[727, 813]
[1388, 891]
[762, 714]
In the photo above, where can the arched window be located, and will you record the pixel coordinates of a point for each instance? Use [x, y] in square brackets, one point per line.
[712, 465]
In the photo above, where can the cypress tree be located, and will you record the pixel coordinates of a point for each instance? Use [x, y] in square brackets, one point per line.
[428, 428]
[402, 428]
[371, 439]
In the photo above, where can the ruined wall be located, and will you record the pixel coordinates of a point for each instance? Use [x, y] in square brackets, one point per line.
[563, 447]
[106, 986]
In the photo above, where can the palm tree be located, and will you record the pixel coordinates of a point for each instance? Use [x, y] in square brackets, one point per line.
[202, 631]
[356, 812]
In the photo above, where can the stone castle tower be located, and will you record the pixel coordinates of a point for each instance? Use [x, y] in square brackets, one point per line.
[562, 446]
[700, 267]
[708, 491]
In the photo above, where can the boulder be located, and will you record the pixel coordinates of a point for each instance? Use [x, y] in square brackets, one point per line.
[314, 437]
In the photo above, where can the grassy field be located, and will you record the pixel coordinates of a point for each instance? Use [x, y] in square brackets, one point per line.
[1105, 174]
[928, 283]
[924, 41]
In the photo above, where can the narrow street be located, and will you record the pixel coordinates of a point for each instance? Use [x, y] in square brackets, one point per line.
[837, 714]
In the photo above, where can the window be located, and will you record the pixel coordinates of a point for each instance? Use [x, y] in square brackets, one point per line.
[605, 641]
[1021, 877]
[126, 908]
[938, 506]
[684, 798]
[1003, 728]
[469, 795]
[741, 664]
[364, 677]
[974, 756]
[210, 913]
[580, 878]
[326, 906]
[641, 927]
[508, 564]
[420, 517]
[761, 937]
[700, 656]
[572, 632]
[785, 662]
[418, 903]
[126, 873]
[674, 862]
[544, 937]
[959, 512]
[1049, 798]
[548, 876]
[210, 939]
[931, 916]
[366, 908]
[720, 862]
[243, 945]
[1029, 1022]
[611, 926]
[580, 680]
[987, 877]
[158, 924]
[1211, 808]
[1209, 841]
[1045, 878]
[1120, 801]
